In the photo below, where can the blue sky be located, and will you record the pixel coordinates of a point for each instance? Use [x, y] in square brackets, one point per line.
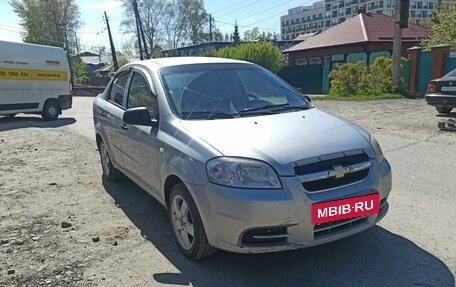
[264, 14]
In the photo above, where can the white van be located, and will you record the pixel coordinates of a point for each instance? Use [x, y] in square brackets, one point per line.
[34, 79]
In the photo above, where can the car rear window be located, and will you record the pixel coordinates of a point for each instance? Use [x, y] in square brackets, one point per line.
[451, 74]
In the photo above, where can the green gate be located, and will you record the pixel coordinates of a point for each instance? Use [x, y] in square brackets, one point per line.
[451, 63]
[308, 78]
[424, 72]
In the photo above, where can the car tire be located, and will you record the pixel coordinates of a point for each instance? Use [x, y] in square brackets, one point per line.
[187, 225]
[109, 171]
[443, 110]
[51, 110]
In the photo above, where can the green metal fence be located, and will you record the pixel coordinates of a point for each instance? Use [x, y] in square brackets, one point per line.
[308, 78]
[314, 79]
[405, 72]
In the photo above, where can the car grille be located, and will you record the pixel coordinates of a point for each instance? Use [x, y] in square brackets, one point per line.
[328, 228]
[335, 172]
[320, 230]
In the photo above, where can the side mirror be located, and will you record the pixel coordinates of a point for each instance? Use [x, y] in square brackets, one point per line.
[140, 117]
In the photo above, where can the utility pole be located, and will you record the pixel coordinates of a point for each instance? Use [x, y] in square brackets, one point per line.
[113, 50]
[401, 17]
[138, 33]
[210, 27]
[146, 50]
[138, 29]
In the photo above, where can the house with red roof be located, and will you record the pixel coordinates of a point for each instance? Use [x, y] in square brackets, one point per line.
[362, 37]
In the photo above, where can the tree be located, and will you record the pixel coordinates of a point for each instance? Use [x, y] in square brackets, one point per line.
[153, 18]
[172, 21]
[236, 37]
[175, 23]
[252, 35]
[197, 20]
[79, 69]
[443, 27]
[262, 53]
[122, 59]
[51, 22]
[100, 50]
[357, 79]
[217, 35]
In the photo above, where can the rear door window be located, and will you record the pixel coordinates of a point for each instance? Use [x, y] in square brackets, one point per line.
[119, 84]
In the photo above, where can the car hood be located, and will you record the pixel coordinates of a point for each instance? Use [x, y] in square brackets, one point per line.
[444, 79]
[280, 139]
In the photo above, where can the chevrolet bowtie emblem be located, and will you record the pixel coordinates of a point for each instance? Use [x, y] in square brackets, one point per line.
[338, 171]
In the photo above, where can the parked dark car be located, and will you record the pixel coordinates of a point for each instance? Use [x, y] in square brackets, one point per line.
[441, 93]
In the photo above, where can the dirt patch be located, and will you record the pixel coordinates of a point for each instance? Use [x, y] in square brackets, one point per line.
[411, 119]
[52, 210]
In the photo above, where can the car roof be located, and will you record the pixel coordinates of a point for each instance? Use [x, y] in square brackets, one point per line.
[178, 61]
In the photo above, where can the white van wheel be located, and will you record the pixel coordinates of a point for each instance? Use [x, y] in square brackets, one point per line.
[51, 110]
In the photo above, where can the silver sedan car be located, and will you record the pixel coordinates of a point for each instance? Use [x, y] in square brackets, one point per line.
[241, 161]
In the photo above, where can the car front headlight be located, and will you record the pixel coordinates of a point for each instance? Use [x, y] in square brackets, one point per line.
[242, 173]
[377, 149]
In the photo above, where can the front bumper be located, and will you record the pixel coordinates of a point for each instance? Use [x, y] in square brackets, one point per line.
[441, 100]
[230, 214]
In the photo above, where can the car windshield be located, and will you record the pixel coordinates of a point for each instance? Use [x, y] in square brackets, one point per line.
[451, 74]
[220, 91]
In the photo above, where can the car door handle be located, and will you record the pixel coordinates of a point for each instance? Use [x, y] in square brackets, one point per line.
[124, 127]
[103, 113]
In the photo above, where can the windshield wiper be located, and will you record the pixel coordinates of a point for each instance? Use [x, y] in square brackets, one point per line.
[208, 115]
[265, 108]
[272, 109]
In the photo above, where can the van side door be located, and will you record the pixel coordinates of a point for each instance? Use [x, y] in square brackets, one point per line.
[16, 89]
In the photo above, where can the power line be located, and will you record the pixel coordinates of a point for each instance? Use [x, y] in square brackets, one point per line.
[278, 14]
[234, 5]
[251, 25]
[242, 26]
[239, 9]
[261, 12]
[18, 29]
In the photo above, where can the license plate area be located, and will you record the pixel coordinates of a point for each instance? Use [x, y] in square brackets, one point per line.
[448, 89]
[346, 208]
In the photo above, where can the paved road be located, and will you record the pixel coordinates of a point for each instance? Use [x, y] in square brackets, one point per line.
[413, 246]
[82, 112]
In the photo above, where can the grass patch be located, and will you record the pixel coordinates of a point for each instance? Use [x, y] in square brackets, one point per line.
[361, 98]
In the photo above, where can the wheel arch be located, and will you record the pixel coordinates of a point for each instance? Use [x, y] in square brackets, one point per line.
[56, 101]
[168, 185]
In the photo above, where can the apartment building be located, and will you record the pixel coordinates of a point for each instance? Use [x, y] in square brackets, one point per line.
[322, 15]
[303, 20]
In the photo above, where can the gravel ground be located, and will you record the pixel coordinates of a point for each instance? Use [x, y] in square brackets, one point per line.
[62, 225]
[408, 119]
